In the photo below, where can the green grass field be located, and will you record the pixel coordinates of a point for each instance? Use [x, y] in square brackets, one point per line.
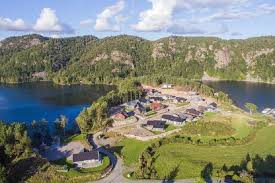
[76, 137]
[191, 159]
[131, 149]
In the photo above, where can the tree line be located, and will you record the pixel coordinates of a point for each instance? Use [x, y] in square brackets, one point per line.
[91, 60]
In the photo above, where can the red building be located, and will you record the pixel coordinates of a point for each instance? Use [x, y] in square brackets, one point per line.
[120, 116]
[155, 106]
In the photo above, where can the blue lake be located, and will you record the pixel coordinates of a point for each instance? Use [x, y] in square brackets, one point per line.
[45, 100]
[263, 95]
[35, 101]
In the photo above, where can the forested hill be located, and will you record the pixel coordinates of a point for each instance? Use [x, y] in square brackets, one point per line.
[88, 59]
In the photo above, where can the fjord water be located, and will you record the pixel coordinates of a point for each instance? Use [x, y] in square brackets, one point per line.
[35, 101]
[263, 95]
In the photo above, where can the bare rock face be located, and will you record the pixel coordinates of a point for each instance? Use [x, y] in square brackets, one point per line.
[222, 57]
[121, 57]
[158, 51]
[172, 45]
[199, 54]
[252, 55]
[102, 56]
[23, 42]
[116, 57]
[211, 47]
[189, 56]
[42, 74]
[35, 42]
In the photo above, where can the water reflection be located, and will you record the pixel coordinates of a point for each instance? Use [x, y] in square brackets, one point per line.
[34, 101]
[263, 95]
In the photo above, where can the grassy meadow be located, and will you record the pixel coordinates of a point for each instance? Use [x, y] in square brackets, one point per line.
[191, 159]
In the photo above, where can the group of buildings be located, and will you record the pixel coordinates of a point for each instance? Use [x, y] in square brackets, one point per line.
[138, 107]
[154, 101]
[179, 118]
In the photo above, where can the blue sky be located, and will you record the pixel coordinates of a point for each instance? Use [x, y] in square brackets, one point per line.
[151, 19]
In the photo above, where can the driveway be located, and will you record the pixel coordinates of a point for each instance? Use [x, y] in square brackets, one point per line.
[55, 153]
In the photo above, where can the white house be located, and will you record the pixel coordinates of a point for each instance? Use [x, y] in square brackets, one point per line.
[88, 159]
[166, 86]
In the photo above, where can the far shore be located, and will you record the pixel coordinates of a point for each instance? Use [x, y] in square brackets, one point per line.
[199, 80]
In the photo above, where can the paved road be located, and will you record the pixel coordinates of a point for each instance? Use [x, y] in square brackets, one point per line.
[116, 175]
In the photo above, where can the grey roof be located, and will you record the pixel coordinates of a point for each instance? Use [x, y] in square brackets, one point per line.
[172, 118]
[213, 104]
[156, 123]
[83, 156]
[144, 100]
[193, 112]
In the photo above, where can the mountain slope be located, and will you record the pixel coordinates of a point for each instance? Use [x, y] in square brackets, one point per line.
[88, 59]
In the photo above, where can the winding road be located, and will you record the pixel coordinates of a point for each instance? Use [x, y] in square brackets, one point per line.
[116, 175]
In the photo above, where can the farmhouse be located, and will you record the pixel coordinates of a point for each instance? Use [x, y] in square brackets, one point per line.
[87, 159]
[175, 120]
[156, 125]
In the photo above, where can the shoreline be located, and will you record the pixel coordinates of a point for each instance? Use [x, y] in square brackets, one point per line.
[227, 80]
[199, 80]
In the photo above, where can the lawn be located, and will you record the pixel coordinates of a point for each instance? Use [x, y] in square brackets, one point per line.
[130, 149]
[237, 120]
[192, 158]
[76, 137]
[150, 113]
[52, 173]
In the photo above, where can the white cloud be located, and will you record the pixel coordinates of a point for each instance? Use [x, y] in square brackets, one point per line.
[86, 23]
[164, 16]
[109, 19]
[13, 25]
[209, 4]
[228, 16]
[49, 22]
[266, 8]
[158, 17]
[236, 14]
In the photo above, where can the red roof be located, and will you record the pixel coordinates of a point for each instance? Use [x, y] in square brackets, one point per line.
[156, 106]
[120, 116]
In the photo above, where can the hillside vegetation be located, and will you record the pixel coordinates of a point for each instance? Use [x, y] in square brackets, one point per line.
[88, 59]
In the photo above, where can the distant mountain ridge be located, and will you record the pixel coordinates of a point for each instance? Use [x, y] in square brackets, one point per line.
[88, 59]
